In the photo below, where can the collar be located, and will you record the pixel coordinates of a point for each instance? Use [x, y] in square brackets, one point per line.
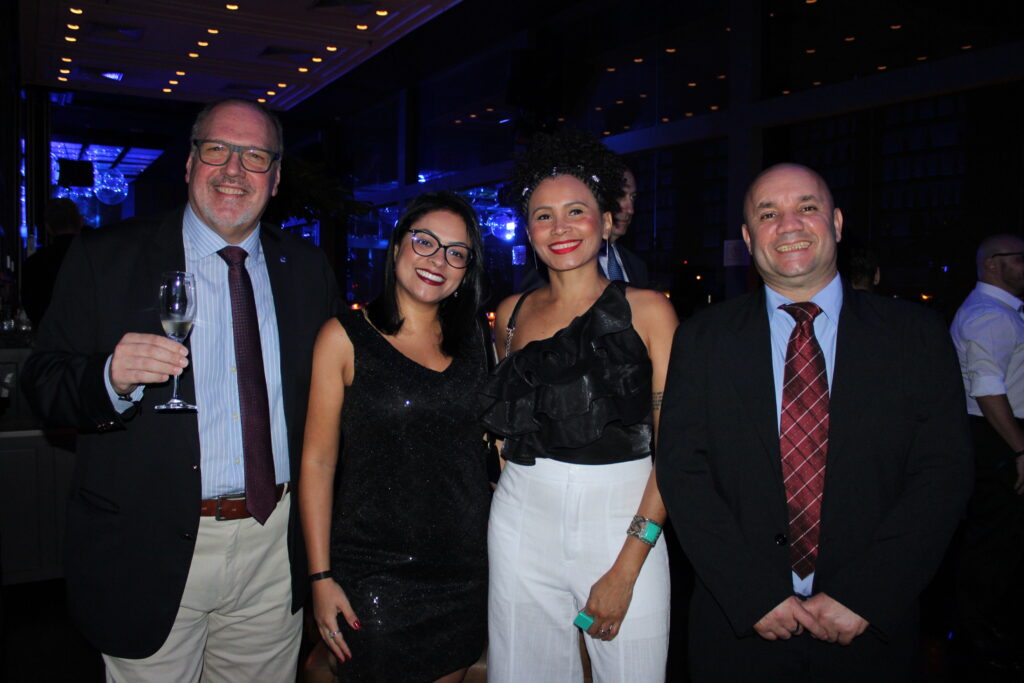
[202, 241]
[830, 299]
[1000, 294]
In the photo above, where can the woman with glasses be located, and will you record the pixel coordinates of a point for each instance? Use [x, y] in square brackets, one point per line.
[397, 552]
[577, 514]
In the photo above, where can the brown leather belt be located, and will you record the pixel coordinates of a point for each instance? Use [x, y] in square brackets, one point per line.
[232, 506]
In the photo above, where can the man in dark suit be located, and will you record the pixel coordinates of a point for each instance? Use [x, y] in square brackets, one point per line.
[813, 456]
[183, 555]
[616, 262]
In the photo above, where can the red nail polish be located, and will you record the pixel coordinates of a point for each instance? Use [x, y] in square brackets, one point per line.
[356, 625]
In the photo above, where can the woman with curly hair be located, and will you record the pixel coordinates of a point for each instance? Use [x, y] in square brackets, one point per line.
[397, 555]
[575, 520]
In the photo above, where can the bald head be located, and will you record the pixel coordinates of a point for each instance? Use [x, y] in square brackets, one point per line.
[1000, 262]
[812, 178]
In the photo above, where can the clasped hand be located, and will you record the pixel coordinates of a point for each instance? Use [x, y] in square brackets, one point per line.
[820, 615]
[607, 603]
[145, 359]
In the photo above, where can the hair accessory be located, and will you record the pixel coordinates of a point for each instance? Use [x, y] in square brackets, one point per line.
[595, 179]
[644, 530]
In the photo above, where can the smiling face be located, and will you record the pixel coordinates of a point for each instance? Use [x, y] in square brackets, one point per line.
[792, 230]
[229, 199]
[566, 225]
[430, 279]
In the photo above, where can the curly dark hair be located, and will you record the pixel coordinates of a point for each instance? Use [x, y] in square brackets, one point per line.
[458, 313]
[568, 152]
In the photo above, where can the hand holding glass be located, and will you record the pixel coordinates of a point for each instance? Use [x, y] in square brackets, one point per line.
[177, 307]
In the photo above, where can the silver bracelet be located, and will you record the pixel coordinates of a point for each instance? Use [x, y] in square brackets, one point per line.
[644, 530]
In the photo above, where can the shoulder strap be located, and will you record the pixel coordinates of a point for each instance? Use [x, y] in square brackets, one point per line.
[511, 327]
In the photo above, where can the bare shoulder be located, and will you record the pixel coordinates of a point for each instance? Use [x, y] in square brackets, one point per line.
[651, 308]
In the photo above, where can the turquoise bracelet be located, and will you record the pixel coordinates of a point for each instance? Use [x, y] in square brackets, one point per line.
[644, 529]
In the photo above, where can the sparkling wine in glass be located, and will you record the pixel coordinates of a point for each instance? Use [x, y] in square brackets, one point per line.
[177, 307]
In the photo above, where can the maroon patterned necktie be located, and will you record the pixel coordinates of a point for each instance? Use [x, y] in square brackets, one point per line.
[260, 480]
[803, 438]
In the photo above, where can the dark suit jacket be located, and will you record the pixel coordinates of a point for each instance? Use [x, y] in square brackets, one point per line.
[636, 270]
[898, 475]
[133, 510]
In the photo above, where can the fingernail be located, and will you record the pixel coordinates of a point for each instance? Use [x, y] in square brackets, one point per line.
[356, 625]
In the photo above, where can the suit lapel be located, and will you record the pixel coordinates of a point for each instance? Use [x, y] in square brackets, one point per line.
[854, 364]
[750, 371]
[287, 304]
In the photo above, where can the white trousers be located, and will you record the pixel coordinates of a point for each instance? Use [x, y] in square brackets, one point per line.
[234, 623]
[555, 529]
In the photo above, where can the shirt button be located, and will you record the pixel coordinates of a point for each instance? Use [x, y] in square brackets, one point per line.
[238, 461]
[187, 535]
[234, 416]
[780, 539]
[233, 369]
[195, 468]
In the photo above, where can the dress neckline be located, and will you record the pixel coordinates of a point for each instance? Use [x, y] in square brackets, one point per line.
[383, 338]
[513, 319]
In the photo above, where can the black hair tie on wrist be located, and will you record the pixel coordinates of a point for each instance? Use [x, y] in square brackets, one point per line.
[320, 576]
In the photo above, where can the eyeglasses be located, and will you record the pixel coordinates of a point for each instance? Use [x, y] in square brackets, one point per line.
[218, 152]
[1007, 253]
[426, 243]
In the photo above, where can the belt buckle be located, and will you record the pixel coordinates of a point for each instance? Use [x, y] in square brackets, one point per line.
[220, 499]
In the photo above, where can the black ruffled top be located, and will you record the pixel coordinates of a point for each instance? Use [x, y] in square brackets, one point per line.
[580, 396]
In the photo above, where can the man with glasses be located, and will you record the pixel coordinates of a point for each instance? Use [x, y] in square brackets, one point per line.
[184, 560]
[988, 332]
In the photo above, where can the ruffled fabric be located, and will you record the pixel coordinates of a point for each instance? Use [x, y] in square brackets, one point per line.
[564, 391]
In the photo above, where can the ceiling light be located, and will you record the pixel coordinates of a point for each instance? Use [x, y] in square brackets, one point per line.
[811, 2]
[561, 119]
[626, 127]
[670, 50]
[66, 60]
[922, 58]
[720, 77]
[638, 60]
[231, 7]
[112, 75]
[728, 29]
[689, 114]
[261, 100]
[618, 101]
[882, 67]
[71, 39]
[643, 96]
[850, 39]
[74, 10]
[173, 82]
[504, 121]
[458, 120]
[64, 71]
[74, 27]
[714, 107]
[331, 48]
[282, 85]
[966, 47]
[810, 50]
[179, 73]
[664, 119]
[489, 109]
[692, 85]
[785, 92]
[271, 93]
[472, 116]
[168, 90]
[62, 78]
[816, 83]
[213, 31]
[202, 43]
[896, 27]
[303, 69]
[381, 13]
[607, 132]
[598, 108]
[610, 69]
[317, 59]
[193, 55]
[361, 27]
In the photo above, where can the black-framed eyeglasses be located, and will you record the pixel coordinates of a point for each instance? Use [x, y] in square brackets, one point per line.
[1007, 253]
[426, 243]
[218, 152]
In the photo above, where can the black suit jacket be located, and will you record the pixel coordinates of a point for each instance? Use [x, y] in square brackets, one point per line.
[634, 266]
[133, 511]
[897, 478]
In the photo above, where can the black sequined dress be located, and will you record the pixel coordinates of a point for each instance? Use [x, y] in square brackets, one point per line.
[409, 529]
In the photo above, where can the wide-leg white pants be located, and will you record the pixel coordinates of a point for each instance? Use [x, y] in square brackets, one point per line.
[555, 529]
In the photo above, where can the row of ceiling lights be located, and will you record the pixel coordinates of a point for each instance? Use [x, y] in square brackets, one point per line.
[64, 72]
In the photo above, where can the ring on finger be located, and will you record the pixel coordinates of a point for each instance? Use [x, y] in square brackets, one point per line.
[333, 633]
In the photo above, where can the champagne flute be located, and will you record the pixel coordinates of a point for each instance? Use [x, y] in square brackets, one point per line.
[177, 306]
